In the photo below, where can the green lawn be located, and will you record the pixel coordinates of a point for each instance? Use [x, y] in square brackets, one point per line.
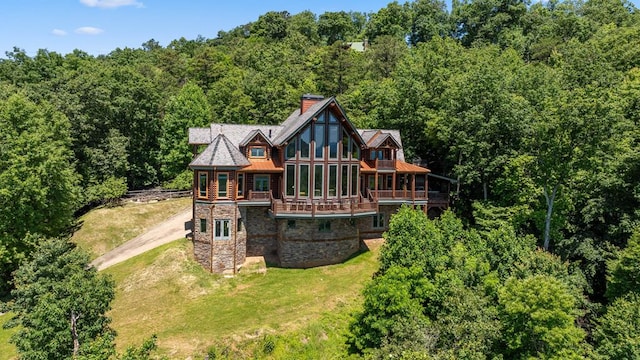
[305, 311]
[105, 228]
[7, 351]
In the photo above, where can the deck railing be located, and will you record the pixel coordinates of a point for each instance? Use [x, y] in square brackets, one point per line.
[323, 207]
[400, 194]
[259, 195]
[385, 164]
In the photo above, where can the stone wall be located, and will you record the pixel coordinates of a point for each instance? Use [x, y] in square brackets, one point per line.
[301, 243]
[261, 231]
[219, 255]
[365, 224]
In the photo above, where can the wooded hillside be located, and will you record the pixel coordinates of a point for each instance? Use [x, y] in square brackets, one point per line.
[533, 107]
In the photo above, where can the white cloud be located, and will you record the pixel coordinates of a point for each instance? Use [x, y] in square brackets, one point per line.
[89, 30]
[58, 32]
[111, 4]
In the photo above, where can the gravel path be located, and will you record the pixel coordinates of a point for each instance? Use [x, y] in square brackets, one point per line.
[165, 232]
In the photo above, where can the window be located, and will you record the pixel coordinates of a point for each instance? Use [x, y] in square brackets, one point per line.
[372, 182]
[378, 221]
[240, 185]
[319, 138]
[223, 185]
[317, 180]
[324, 226]
[303, 187]
[291, 150]
[355, 151]
[202, 185]
[345, 145]
[291, 180]
[305, 143]
[354, 180]
[261, 183]
[345, 180]
[334, 131]
[222, 230]
[203, 225]
[332, 118]
[333, 180]
[258, 152]
[291, 224]
[238, 225]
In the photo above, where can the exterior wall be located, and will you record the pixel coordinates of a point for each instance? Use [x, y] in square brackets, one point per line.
[219, 255]
[365, 224]
[261, 231]
[305, 246]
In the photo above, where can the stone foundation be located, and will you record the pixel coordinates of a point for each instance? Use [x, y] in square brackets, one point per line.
[298, 243]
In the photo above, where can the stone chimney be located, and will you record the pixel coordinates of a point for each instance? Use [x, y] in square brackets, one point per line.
[307, 100]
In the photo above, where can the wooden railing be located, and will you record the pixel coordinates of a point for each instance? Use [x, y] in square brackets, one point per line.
[323, 207]
[385, 164]
[259, 195]
[438, 197]
[399, 194]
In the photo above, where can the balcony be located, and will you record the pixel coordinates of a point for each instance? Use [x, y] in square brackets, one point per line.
[399, 194]
[284, 208]
[384, 164]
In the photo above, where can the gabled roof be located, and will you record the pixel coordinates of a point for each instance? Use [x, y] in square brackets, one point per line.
[296, 121]
[368, 134]
[377, 141]
[220, 153]
[252, 134]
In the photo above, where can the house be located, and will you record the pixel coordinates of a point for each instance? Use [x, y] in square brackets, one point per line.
[303, 193]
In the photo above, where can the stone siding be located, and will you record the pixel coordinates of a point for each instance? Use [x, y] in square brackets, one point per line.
[365, 224]
[219, 255]
[261, 231]
[304, 245]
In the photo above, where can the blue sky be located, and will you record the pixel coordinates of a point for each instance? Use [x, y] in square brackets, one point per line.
[100, 26]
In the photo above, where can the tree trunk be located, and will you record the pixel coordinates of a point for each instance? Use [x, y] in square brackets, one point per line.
[485, 191]
[547, 218]
[74, 333]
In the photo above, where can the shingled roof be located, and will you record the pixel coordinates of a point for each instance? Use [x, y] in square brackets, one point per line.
[220, 153]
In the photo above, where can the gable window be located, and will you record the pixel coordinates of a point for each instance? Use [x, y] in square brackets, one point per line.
[223, 185]
[334, 133]
[305, 143]
[345, 145]
[378, 221]
[240, 185]
[203, 225]
[319, 138]
[261, 183]
[258, 152]
[355, 151]
[222, 230]
[324, 226]
[291, 150]
[203, 188]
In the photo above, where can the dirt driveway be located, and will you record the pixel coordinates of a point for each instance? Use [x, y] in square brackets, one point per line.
[165, 232]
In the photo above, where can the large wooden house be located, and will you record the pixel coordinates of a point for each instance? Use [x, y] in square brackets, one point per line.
[303, 193]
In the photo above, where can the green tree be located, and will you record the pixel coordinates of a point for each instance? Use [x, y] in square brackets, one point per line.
[336, 26]
[59, 303]
[38, 183]
[538, 314]
[617, 333]
[273, 25]
[187, 109]
[624, 270]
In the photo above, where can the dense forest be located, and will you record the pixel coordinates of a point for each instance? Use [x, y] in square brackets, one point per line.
[532, 107]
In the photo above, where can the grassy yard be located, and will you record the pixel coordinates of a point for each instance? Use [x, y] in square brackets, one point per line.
[105, 228]
[269, 315]
[7, 351]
